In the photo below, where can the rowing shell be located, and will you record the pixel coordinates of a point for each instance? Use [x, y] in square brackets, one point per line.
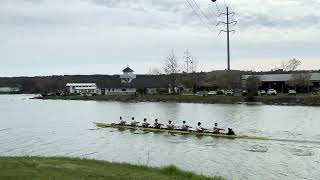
[108, 125]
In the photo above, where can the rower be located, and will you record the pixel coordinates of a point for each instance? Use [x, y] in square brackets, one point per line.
[156, 124]
[170, 126]
[230, 132]
[145, 124]
[185, 127]
[133, 122]
[199, 128]
[122, 122]
[216, 129]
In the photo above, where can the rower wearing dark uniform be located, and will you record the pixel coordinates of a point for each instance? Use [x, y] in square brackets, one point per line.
[184, 126]
[170, 126]
[156, 124]
[230, 132]
[145, 124]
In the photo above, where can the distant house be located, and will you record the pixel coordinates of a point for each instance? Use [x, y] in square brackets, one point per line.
[82, 88]
[128, 83]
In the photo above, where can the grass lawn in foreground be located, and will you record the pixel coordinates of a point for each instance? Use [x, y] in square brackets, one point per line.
[61, 168]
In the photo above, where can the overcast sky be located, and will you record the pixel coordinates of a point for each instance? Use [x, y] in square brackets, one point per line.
[45, 37]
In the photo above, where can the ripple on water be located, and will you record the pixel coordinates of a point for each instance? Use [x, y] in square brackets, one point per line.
[211, 145]
[301, 152]
[140, 132]
[257, 148]
[6, 129]
[177, 141]
[317, 136]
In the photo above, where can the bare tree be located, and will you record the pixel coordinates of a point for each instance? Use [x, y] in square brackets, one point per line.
[227, 79]
[301, 79]
[154, 71]
[253, 83]
[172, 68]
[291, 64]
[171, 65]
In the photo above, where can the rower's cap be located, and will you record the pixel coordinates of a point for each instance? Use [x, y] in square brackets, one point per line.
[132, 118]
[183, 122]
[156, 120]
[145, 119]
[199, 123]
[170, 121]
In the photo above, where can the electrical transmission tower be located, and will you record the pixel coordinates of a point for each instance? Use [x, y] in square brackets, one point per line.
[189, 59]
[227, 14]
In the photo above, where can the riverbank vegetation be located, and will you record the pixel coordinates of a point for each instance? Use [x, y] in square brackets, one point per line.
[307, 100]
[74, 168]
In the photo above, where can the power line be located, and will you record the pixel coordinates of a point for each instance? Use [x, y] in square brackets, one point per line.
[203, 14]
[217, 7]
[199, 16]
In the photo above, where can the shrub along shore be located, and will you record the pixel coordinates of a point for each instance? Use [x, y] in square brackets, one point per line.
[63, 168]
[305, 100]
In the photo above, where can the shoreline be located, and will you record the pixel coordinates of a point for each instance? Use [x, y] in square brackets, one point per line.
[285, 100]
[65, 168]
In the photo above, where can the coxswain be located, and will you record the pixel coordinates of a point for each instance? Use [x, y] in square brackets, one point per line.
[122, 122]
[145, 124]
[156, 124]
[134, 122]
[216, 129]
[170, 126]
[199, 128]
[184, 126]
[230, 132]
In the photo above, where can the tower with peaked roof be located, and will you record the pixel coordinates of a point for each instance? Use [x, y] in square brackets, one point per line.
[127, 76]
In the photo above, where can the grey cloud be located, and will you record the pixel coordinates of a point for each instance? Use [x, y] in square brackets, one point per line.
[263, 20]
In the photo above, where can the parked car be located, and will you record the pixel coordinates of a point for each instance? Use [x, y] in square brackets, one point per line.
[228, 93]
[220, 92]
[212, 93]
[201, 93]
[292, 92]
[271, 92]
[244, 92]
[262, 93]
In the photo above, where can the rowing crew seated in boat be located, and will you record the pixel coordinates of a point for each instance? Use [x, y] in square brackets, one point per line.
[216, 129]
[134, 122]
[230, 132]
[184, 126]
[122, 122]
[156, 124]
[170, 126]
[199, 128]
[145, 124]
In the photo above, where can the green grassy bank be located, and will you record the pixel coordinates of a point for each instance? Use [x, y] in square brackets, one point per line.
[306, 100]
[60, 168]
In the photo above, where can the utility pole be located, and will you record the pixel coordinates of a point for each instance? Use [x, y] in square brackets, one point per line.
[228, 39]
[227, 14]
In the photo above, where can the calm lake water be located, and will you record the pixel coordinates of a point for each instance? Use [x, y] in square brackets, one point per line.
[65, 128]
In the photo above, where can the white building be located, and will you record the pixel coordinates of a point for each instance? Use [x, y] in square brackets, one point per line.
[9, 89]
[125, 85]
[82, 88]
